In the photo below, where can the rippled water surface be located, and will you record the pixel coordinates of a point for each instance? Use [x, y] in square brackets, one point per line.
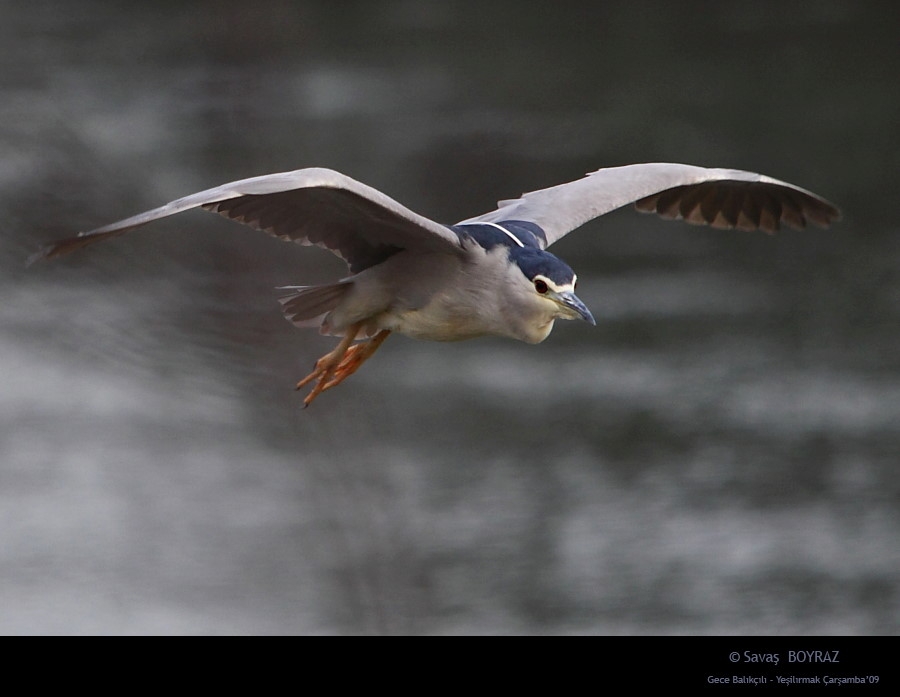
[719, 455]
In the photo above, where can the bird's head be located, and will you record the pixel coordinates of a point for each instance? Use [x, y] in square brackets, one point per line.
[545, 290]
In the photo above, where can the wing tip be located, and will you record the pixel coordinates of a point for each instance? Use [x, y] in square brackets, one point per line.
[41, 254]
[71, 244]
[57, 249]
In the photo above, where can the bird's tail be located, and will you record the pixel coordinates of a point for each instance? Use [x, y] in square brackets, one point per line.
[306, 306]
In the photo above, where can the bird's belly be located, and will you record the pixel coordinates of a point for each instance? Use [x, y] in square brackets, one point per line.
[434, 326]
[453, 301]
[458, 319]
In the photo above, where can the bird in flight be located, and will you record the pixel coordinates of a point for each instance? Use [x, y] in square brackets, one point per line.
[488, 275]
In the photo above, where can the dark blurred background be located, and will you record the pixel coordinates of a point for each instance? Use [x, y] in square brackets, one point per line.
[719, 455]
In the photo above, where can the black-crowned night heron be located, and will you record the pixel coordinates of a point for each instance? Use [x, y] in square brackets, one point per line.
[488, 275]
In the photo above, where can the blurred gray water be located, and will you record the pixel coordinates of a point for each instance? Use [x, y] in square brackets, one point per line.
[719, 455]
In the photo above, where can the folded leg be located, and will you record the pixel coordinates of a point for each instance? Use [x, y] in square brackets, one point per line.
[336, 366]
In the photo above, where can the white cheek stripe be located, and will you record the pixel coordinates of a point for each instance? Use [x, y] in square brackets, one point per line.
[506, 232]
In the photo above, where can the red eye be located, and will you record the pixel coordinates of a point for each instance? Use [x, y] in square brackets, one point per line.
[540, 286]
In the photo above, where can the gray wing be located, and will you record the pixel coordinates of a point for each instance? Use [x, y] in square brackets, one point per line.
[310, 206]
[723, 198]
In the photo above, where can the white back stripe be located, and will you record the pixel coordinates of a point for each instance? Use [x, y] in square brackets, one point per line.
[505, 232]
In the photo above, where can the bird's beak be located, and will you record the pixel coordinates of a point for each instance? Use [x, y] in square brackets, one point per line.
[573, 308]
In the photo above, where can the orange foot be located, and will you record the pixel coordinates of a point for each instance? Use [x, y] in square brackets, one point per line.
[335, 367]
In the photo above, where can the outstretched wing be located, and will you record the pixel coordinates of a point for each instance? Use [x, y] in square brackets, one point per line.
[723, 198]
[310, 206]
